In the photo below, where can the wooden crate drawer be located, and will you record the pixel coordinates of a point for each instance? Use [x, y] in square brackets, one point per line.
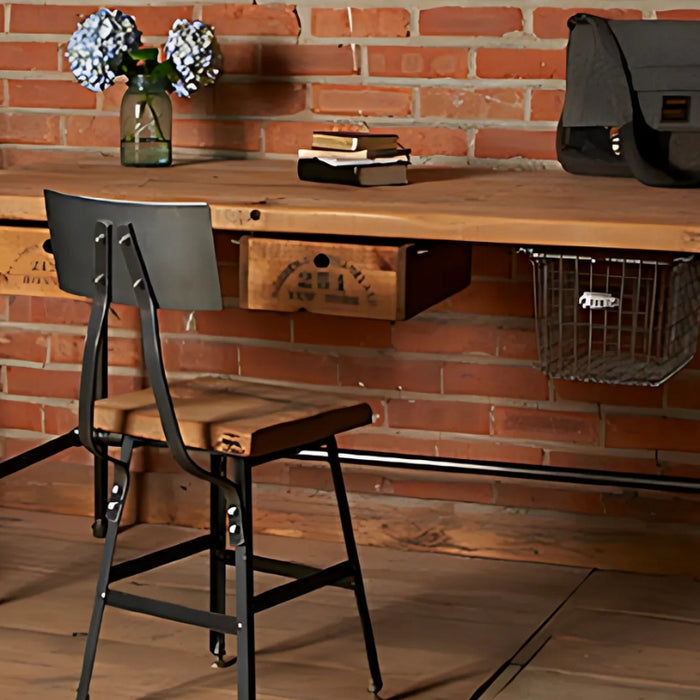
[370, 279]
[26, 265]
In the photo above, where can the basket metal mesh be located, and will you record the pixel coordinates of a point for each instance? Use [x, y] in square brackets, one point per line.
[613, 319]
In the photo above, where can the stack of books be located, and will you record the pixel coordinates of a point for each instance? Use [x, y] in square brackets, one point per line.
[354, 158]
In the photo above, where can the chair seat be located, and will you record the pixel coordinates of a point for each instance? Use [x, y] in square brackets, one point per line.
[244, 419]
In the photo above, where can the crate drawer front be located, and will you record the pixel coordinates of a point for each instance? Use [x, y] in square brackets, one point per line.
[366, 280]
[26, 263]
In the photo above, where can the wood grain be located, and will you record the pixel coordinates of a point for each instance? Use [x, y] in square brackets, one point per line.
[549, 208]
[235, 417]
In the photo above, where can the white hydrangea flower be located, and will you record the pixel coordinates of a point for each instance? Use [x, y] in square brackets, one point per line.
[192, 49]
[96, 47]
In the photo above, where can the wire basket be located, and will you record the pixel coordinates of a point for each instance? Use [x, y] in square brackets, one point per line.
[607, 318]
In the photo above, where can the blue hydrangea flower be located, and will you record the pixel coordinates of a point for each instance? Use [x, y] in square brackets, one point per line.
[96, 48]
[194, 53]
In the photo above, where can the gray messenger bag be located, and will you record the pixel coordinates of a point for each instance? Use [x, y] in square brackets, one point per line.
[632, 105]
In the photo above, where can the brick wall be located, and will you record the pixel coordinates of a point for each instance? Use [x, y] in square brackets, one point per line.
[460, 82]
[465, 83]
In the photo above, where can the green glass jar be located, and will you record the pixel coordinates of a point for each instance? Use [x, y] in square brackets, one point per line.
[146, 118]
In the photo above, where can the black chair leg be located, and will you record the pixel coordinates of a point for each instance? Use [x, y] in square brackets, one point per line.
[245, 657]
[351, 548]
[217, 557]
[115, 508]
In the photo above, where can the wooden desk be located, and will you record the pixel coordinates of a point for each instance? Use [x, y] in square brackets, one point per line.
[520, 208]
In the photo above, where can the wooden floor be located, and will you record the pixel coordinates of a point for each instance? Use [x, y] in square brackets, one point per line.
[447, 627]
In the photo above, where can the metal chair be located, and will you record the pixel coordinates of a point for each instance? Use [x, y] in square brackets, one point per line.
[162, 256]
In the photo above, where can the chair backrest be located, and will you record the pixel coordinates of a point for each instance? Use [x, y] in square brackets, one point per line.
[149, 255]
[176, 242]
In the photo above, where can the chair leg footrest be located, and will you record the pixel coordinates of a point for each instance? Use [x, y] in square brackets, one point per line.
[172, 611]
[287, 591]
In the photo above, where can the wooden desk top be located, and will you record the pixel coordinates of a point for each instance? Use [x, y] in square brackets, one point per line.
[520, 208]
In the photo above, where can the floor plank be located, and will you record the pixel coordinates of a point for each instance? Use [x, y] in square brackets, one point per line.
[445, 625]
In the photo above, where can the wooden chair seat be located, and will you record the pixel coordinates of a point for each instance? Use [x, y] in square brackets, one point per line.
[240, 418]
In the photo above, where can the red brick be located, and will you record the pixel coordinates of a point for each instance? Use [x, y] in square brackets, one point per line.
[495, 380]
[417, 62]
[334, 330]
[470, 21]
[198, 356]
[652, 432]
[377, 22]
[550, 22]
[361, 100]
[59, 384]
[378, 372]
[678, 14]
[495, 299]
[607, 393]
[517, 343]
[512, 143]
[259, 99]
[602, 461]
[489, 451]
[21, 415]
[446, 416]
[520, 63]
[29, 128]
[288, 137]
[157, 21]
[493, 103]
[546, 105]
[26, 381]
[307, 59]
[437, 140]
[242, 323]
[683, 390]
[395, 441]
[23, 345]
[239, 59]
[200, 133]
[68, 349]
[29, 55]
[288, 365]
[252, 20]
[92, 131]
[48, 310]
[557, 426]
[51, 19]
[124, 317]
[521, 495]
[59, 419]
[200, 104]
[448, 334]
[49, 93]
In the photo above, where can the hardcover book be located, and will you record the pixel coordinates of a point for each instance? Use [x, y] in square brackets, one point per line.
[367, 175]
[352, 140]
[379, 155]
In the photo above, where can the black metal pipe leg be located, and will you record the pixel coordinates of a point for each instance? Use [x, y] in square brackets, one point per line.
[351, 549]
[244, 588]
[217, 557]
[99, 525]
[115, 508]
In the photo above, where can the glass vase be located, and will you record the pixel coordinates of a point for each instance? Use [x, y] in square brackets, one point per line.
[146, 123]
